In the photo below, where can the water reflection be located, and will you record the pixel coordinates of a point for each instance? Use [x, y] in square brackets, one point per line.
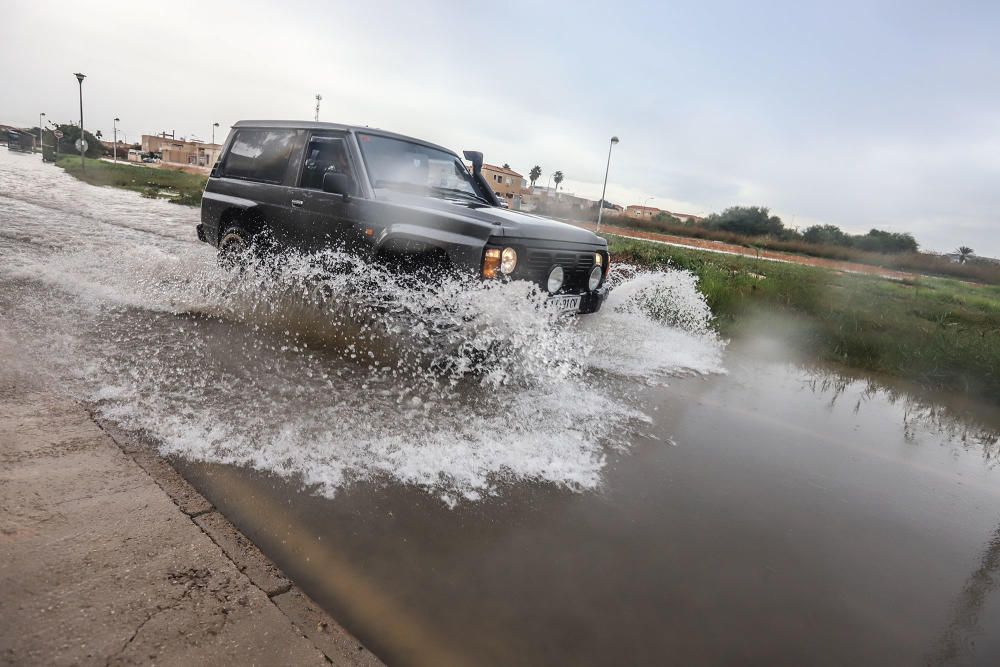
[960, 423]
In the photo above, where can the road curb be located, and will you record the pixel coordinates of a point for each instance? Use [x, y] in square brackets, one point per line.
[336, 644]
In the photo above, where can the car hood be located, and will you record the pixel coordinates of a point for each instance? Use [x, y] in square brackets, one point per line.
[508, 223]
[511, 224]
[516, 224]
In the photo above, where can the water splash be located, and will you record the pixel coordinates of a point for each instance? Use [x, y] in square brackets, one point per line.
[334, 370]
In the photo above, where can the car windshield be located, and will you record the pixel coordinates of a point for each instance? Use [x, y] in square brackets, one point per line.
[411, 167]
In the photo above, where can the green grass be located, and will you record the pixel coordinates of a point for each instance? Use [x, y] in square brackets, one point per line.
[180, 187]
[937, 332]
[916, 262]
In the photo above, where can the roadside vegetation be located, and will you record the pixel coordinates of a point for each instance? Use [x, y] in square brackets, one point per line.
[753, 227]
[176, 186]
[936, 332]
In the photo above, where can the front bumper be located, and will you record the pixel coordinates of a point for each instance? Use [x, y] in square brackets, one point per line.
[591, 302]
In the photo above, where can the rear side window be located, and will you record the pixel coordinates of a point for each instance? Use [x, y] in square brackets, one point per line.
[260, 155]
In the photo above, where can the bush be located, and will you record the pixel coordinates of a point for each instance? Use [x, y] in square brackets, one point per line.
[888, 242]
[67, 145]
[826, 235]
[746, 220]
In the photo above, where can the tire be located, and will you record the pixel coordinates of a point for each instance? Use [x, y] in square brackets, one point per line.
[234, 248]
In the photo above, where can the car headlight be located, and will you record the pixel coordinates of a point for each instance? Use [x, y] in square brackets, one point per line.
[508, 260]
[491, 262]
[555, 281]
[595, 278]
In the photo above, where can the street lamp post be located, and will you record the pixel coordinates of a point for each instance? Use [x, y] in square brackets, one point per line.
[116, 138]
[41, 144]
[319, 98]
[607, 168]
[80, 78]
[214, 125]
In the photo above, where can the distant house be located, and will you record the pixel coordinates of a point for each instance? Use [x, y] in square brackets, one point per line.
[687, 217]
[637, 211]
[506, 183]
[571, 200]
[561, 203]
[647, 212]
[180, 151]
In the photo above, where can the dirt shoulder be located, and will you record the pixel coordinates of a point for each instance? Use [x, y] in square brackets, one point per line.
[772, 255]
[108, 556]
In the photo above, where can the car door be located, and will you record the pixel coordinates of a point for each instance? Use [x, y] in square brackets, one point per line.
[326, 219]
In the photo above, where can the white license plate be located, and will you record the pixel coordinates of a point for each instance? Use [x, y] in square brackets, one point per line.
[564, 303]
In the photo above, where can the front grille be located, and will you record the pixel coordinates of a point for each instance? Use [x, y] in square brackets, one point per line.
[575, 264]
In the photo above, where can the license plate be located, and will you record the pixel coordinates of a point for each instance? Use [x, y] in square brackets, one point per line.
[565, 303]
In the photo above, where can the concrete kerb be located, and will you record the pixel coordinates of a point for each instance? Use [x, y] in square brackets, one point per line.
[333, 641]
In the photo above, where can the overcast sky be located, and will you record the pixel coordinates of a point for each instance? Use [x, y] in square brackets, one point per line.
[856, 114]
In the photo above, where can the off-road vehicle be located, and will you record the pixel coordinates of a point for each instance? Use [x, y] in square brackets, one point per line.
[312, 185]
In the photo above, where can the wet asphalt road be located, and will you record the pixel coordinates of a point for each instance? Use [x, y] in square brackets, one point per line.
[771, 514]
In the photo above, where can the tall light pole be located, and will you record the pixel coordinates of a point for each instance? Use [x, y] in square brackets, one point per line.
[607, 168]
[319, 98]
[115, 124]
[41, 146]
[214, 125]
[80, 78]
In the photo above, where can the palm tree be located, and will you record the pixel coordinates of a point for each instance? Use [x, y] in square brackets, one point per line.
[558, 178]
[534, 174]
[964, 253]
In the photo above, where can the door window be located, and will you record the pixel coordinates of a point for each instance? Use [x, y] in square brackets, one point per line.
[323, 155]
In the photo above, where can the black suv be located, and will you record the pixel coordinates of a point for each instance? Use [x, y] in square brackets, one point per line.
[410, 202]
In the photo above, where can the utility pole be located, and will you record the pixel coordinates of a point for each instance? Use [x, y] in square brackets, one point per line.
[607, 168]
[319, 98]
[83, 142]
[41, 144]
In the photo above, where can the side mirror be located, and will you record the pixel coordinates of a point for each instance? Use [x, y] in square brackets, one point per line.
[476, 158]
[337, 183]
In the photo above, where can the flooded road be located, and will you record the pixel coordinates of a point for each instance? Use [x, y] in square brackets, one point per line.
[508, 489]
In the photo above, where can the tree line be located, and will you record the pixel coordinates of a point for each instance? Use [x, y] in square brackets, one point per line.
[758, 221]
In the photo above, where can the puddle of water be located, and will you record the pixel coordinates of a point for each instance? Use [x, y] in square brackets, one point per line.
[771, 515]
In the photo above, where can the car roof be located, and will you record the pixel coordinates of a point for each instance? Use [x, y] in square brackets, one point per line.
[315, 125]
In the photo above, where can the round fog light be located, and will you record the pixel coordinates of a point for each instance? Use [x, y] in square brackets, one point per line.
[595, 278]
[508, 260]
[555, 279]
